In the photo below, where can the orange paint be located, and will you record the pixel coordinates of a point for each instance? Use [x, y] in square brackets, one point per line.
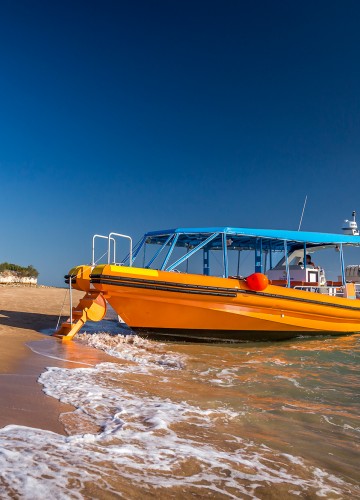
[176, 301]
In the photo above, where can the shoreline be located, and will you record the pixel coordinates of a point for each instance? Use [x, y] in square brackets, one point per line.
[26, 352]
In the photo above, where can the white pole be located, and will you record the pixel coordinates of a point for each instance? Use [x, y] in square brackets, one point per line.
[302, 213]
[71, 318]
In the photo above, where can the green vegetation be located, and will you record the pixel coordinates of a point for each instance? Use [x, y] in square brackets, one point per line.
[22, 272]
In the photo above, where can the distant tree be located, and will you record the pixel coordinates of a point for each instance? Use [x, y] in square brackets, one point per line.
[31, 272]
[22, 272]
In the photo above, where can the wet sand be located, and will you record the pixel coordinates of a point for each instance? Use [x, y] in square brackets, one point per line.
[24, 313]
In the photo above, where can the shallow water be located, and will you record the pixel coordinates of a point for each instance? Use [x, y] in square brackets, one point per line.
[276, 420]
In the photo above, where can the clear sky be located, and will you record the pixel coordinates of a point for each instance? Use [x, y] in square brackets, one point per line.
[134, 116]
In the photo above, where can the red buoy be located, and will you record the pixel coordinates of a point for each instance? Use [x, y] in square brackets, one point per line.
[257, 281]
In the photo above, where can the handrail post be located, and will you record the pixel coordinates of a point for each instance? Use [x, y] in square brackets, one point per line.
[225, 257]
[342, 263]
[287, 264]
[120, 236]
[93, 250]
[93, 246]
[71, 302]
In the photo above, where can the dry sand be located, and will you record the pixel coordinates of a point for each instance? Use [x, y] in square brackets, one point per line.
[24, 313]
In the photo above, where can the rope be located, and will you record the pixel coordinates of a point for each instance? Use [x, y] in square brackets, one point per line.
[96, 261]
[62, 307]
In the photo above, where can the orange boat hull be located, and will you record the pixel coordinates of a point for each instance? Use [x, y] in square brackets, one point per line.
[197, 307]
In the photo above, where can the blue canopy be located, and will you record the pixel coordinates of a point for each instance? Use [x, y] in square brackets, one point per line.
[246, 238]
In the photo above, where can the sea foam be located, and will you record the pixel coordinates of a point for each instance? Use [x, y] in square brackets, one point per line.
[124, 440]
[133, 348]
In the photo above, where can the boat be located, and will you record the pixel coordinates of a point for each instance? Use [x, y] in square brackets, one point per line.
[184, 284]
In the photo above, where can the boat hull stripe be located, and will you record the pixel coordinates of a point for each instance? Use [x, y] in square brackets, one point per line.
[202, 290]
[162, 288]
[165, 283]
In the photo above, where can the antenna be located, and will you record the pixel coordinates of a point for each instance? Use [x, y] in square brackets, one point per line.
[302, 213]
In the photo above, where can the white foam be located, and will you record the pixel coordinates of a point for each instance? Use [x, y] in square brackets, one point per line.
[280, 362]
[289, 379]
[346, 427]
[224, 378]
[121, 433]
[138, 441]
[134, 348]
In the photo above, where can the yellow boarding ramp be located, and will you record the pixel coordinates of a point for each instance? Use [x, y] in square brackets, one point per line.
[92, 307]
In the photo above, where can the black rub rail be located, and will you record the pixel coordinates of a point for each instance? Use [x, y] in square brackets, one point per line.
[67, 278]
[202, 289]
[163, 288]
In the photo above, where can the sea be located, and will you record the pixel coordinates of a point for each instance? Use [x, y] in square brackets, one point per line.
[276, 420]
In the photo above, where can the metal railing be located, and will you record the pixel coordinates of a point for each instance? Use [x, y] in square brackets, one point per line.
[333, 291]
[93, 245]
[109, 249]
[110, 238]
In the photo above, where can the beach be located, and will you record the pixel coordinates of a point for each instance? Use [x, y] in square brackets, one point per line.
[24, 312]
[110, 416]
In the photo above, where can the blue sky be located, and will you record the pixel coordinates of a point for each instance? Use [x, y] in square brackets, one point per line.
[133, 116]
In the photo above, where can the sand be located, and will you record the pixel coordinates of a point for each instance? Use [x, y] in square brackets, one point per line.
[24, 313]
